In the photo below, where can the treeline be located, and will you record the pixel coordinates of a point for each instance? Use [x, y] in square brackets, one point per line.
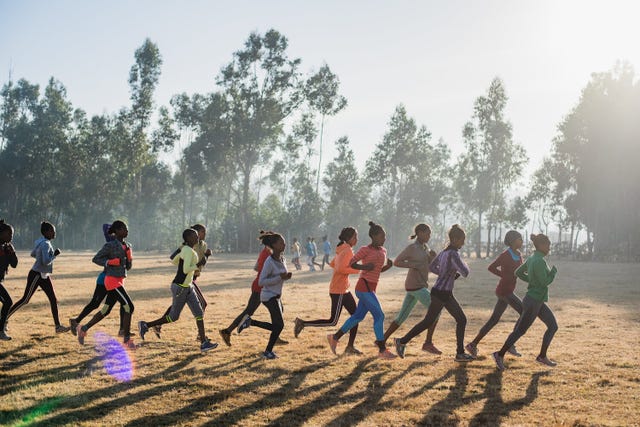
[252, 159]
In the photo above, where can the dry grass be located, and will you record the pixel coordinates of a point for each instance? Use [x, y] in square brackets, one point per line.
[48, 379]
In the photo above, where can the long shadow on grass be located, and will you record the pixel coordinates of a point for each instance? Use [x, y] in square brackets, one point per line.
[495, 408]
[441, 413]
[82, 408]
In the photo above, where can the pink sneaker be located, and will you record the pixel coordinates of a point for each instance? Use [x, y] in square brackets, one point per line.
[333, 343]
[430, 348]
[386, 354]
[81, 334]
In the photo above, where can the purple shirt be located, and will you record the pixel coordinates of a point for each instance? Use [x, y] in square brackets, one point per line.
[446, 265]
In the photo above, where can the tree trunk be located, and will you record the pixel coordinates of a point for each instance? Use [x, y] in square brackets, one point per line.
[243, 231]
[320, 155]
[479, 234]
[489, 228]
[573, 227]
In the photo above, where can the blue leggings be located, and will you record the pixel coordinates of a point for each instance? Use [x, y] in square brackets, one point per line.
[367, 302]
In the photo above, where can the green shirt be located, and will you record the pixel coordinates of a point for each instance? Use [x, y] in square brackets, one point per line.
[537, 274]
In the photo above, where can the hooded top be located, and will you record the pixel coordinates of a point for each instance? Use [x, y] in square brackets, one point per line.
[43, 253]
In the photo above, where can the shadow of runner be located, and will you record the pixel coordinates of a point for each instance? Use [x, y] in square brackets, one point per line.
[374, 393]
[495, 408]
[440, 414]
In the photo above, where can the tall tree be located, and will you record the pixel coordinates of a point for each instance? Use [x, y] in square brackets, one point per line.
[322, 93]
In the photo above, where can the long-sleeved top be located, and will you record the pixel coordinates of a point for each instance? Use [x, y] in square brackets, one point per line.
[416, 258]
[44, 254]
[264, 254]
[341, 265]
[270, 279]
[508, 261]
[446, 265]
[370, 254]
[326, 247]
[311, 249]
[187, 265]
[112, 250]
[538, 275]
[8, 258]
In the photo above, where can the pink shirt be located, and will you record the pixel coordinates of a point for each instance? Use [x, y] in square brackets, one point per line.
[375, 255]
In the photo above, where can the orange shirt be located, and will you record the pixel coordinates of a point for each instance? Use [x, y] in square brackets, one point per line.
[341, 269]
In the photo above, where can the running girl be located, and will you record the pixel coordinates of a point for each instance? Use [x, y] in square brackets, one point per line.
[183, 291]
[273, 275]
[40, 274]
[504, 267]
[537, 274]
[448, 266]
[99, 294]
[371, 260]
[254, 299]
[116, 258]
[416, 257]
[295, 253]
[339, 289]
[8, 258]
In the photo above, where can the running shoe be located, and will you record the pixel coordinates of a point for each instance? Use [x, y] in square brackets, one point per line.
[299, 326]
[430, 348]
[512, 350]
[81, 334]
[4, 336]
[499, 361]
[226, 337]
[352, 350]
[333, 343]
[386, 354]
[280, 341]
[472, 349]
[400, 348]
[156, 330]
[62, 329]
[73, 323]
[143, 328]
[245, 323]
[208, 345]
[464, 357]
[546, 361]
[130, 345]
[269, 355]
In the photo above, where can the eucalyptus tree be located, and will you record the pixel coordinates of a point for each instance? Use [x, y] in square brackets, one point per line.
[321, 90]
[491, 162]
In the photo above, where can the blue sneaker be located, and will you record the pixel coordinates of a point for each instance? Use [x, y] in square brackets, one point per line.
[270, 355]
[208, 345]
[400, 348]
[143, 328]
[245, 323]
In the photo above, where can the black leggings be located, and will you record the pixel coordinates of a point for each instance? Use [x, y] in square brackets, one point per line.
[6, 301]
[98, 295]
[337, 302]
[252, 306]
[440, 300]
[503, 302]
[33, 281]
[277, 323]
[115, 295]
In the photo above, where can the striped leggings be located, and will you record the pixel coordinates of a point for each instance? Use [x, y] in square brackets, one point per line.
[33, 281]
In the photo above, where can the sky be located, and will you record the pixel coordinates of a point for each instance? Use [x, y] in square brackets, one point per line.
[436, 58]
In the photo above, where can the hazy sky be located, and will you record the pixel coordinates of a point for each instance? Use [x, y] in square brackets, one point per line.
[434, 57]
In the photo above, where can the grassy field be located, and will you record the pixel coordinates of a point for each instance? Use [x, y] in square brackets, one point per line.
[49, 379]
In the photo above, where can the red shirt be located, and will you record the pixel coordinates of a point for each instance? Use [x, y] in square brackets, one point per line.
[264, 254]
[375, 255]
[508, 266]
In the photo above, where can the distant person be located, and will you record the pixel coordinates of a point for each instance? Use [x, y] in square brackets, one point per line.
[448, 266]
[371, 260]
[183, 292]
[272, 277]
[416, 257]
[315, 252]
[116, 256]
[99, 294]
[536, 272]
[40, 274]
[326, 249]
[8, 258]
[295, 253]
[311, 254]
[504, 267]
[339, 289]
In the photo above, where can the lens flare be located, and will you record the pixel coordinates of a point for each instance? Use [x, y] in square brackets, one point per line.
[115, 358]
[42, 409]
